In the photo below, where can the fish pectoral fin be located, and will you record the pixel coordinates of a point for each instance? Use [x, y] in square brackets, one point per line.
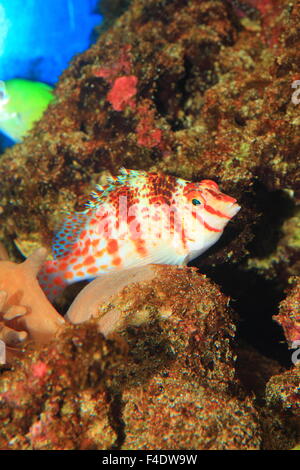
[164, 254]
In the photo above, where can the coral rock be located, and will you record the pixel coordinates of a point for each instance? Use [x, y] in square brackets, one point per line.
[57, 398]
[283, 390]
[289, 312]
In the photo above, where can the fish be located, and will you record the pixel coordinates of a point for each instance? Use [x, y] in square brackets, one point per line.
[22, 103]
[138, 218]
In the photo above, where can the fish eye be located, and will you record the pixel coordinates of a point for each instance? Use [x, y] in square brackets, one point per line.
[196, 202]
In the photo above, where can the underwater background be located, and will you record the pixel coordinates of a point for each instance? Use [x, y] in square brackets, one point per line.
[39, 38]
[203, 356]
[39, 43]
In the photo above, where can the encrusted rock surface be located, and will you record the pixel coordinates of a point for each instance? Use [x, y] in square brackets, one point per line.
[289, 312]
[57, 398]
[283, 390]
[167, 380]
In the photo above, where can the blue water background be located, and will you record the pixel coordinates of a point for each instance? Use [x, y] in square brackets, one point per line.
[39, 37]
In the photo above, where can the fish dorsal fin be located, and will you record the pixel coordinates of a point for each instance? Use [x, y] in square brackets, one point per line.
[125, 178]
[68, 233]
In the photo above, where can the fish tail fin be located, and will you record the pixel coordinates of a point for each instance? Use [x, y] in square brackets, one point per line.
[51, 279]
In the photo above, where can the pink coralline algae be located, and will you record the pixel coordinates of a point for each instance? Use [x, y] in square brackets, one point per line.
[113, 70]
[39, 369]
[122, 92]
[148, 135]
[123, 85]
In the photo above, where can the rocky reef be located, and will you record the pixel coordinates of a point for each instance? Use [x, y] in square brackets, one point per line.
[198, 89]
[167, 381]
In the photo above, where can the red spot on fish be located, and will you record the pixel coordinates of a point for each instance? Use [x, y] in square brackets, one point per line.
[69, 275]
[63, 265]
[100, 253]
[85, 251]
[50, 269]
[77, 266]
[92, 270]
[117, 261]
[131, 218]
[58, 281]
[112, 246]
[140, 247]
[89, 260]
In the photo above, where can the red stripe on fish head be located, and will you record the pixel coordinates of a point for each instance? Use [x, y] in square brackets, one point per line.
[211, 206]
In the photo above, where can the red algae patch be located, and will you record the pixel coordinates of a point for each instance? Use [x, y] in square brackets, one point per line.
[122, 92]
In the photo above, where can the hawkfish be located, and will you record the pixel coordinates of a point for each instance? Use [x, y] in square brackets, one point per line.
[138, 218]
[22, 103]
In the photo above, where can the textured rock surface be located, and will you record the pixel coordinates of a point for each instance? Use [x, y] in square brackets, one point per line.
[172, 412]
[289, 312]
[168, 381]
[57, 398]
[283, 390]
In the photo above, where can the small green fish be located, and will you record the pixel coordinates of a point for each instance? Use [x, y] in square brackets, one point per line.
[22, 102]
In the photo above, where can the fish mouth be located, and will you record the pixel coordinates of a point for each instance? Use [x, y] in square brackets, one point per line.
[232, 210]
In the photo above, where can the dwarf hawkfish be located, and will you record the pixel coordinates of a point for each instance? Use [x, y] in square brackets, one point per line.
[138, 218]
[22, 103]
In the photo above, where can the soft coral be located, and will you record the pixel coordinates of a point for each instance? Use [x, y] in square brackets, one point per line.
[23, 305]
